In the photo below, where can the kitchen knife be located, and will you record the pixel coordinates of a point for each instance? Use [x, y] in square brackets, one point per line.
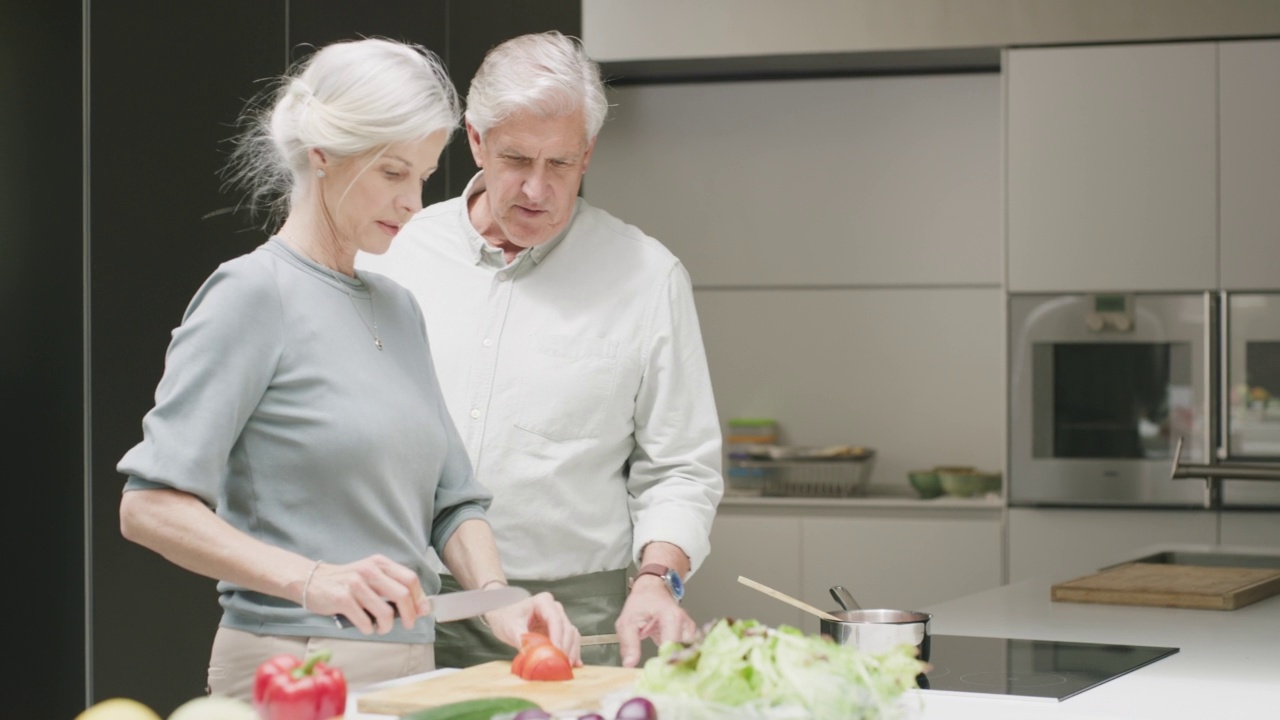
[447, 607]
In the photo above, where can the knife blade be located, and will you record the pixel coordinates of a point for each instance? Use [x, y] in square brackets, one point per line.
[447, 607]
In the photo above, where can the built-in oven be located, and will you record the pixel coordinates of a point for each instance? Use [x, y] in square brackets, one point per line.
[1101, 388]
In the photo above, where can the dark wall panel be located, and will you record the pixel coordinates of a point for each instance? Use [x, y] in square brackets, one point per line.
[167, 81]
[42, 363]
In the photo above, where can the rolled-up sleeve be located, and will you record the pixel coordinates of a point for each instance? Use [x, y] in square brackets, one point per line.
[675, 480]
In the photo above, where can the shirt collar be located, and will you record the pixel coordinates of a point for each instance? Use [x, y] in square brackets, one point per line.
[480, 248]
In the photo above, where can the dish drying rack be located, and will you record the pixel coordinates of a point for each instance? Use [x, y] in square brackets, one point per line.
[779, 471]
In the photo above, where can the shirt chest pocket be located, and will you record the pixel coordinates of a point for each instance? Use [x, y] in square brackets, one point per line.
[567, 386]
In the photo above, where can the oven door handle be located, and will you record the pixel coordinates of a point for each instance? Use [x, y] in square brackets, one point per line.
[1219, 432]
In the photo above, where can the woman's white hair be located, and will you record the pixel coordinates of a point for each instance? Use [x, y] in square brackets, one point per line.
[348, 98]
[546, 73]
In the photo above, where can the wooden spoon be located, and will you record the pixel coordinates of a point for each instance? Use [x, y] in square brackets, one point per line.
[787, 599]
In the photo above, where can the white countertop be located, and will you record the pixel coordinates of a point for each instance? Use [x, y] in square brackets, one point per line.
[1228, 664]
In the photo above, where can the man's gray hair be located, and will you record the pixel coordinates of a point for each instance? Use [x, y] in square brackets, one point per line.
[546, 73]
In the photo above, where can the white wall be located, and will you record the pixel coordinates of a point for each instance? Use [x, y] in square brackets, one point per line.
[673, 29]
[845, 243]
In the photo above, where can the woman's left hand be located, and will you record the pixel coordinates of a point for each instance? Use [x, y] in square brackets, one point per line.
[540, 613]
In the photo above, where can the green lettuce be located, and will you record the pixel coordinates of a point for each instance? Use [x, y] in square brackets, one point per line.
[743, 663]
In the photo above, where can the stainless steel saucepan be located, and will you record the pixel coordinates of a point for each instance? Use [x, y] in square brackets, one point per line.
[876, 630]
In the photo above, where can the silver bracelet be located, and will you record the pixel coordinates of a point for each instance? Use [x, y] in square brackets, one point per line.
[307, 585]
[485, 587]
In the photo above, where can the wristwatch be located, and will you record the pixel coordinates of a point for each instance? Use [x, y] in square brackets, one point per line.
[670, 578]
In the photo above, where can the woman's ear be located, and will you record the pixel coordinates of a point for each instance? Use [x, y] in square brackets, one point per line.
[318, 160]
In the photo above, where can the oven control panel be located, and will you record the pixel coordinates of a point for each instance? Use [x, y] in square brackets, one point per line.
[1110, 312]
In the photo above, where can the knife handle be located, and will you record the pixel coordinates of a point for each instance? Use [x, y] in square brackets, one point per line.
[343, 623]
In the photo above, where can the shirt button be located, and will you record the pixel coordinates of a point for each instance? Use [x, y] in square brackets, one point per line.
[502, 276]
[475, 414]
[488, 342]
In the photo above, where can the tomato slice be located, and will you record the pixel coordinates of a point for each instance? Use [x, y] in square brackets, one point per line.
[517, 665]
[546, 662]
[528, 641]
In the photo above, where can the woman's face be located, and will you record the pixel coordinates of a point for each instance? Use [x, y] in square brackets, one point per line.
[370, 197]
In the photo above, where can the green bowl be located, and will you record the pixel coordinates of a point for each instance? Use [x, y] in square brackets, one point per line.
[926, 483]
[969, 483]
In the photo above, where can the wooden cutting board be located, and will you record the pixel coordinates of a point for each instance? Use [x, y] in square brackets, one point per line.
[1179, 586]
[590, 683]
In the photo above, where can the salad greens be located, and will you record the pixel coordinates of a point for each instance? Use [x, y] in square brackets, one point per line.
[750, 666]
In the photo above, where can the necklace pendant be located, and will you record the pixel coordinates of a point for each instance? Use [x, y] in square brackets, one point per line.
[378, 342]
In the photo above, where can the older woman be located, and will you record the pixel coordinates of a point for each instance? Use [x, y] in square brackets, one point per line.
[299, 450]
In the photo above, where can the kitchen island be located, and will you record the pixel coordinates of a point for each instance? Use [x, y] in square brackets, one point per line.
[1227, 666]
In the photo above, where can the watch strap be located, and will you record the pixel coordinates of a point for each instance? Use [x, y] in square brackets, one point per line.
[670, 578]
[654, 569]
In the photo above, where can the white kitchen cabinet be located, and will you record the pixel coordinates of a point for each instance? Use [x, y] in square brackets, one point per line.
[1249, 117]
[880, 182]
[1254, 528]
[900, 560]
[757, 544]
[667, 30]
[1112, 167]
[1052, 541]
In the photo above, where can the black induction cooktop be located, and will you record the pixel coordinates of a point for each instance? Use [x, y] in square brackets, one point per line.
[1047, 670]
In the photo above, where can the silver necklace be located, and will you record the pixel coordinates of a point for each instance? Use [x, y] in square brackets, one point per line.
[373, 312]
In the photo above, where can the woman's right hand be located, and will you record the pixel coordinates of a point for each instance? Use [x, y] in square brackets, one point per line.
[543, 614]
[370, 593]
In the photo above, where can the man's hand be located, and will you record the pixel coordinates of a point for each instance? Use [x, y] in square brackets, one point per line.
[541, 613]
[651, 612]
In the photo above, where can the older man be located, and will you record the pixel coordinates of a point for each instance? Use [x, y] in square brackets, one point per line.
[571, 360]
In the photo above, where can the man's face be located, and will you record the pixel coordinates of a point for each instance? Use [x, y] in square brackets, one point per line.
[533, 167]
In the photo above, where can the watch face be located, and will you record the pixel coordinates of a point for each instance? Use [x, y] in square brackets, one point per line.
[676, 585]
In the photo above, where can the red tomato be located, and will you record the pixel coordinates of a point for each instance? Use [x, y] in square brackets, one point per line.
[546, 662]
[517, 665]
[539, 659]
[528, 641]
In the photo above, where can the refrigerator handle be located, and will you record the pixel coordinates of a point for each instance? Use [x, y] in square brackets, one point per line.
[1215, 376]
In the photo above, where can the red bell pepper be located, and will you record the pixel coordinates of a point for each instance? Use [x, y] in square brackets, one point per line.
[289, 688]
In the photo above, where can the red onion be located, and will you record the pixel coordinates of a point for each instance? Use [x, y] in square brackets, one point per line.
[532, 714]
[637, 708]
[591, 716]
